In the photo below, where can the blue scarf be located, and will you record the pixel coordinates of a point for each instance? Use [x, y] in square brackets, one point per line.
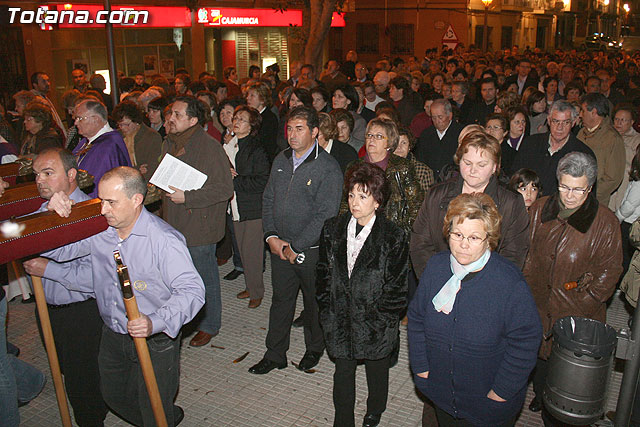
[443, 301]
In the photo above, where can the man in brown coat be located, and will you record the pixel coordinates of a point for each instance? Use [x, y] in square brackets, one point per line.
[574, 238]
[200, 214]
[606, 143]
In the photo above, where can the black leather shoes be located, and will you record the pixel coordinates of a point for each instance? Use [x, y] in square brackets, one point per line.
[233, 275]
[309, 360]
[371, 420]
[178, 415]
[535, 405]
[265, 366]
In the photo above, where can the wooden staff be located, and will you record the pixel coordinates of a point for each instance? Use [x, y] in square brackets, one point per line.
[131, 306]
[50, 346]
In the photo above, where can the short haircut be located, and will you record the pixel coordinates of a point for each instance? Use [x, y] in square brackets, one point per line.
[547, 81]
[522, 178]
[305, 113]
[69, 98]
[401, 83]
[263, 92]
[625, 106]
[512, 112]
[577, 164]
[480, 141]
[227, 72]
[506, 100]
[460, 71]
[586, 82]
[210, 96]
[233, 103]
[24, 97]
[128, 109]
[132, 180]
[499, 117]
[371, 179]
[443, 102]
[195, 108]
[66, 157]
[390, 112]
[342, 115]
[96, 107]
[488, 80]
[597, 101]
[463, 85]
[324, 93]
[562, 106]
[34, 77]
[404, 131]
[255, 119]
[126, 84]
[390, 128]
[328, 126]
[573, 85]
[40, 113]
[474, 206]
[97, 81]
[158, 104]
[351, 94]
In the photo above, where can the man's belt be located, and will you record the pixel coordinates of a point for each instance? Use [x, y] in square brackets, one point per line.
[47, 230]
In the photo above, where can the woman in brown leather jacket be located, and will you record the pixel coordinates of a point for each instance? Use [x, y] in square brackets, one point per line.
[575, 244]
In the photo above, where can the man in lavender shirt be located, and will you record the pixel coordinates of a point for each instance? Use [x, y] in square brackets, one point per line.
[102, 148]
[74, 315]
[167, 287]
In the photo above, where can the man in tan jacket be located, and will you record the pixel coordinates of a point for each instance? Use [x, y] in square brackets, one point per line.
[607, 144]
[200, 214]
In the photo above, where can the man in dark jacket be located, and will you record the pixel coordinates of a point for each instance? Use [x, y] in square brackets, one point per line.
[294, 209]
[522, 78]
[438, 143]
[406, 101]
[200, 214]
[487, 102]
[542, 152]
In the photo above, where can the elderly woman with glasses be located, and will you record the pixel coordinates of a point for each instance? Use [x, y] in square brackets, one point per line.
[381, 140]
[575, 258]
[473, 327]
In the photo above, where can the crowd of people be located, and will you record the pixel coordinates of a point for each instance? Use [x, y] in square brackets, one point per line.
[456, 194]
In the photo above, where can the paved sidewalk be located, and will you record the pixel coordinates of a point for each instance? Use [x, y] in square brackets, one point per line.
[214, 391]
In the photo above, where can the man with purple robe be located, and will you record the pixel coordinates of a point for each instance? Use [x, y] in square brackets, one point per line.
[102, 148]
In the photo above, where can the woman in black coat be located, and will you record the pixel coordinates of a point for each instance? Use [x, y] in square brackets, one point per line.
[250, 170]
[362, 291]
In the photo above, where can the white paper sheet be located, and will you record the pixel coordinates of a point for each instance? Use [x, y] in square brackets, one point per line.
[176, 173]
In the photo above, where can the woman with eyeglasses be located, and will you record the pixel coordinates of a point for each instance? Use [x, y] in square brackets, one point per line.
[575, 255]
[381, 140]
[473, 326]
[478, 156]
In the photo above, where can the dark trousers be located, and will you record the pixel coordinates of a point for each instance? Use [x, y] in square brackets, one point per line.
[77, 329]
[122, 382]
[446, 420]
[344, 389]
[287, 279]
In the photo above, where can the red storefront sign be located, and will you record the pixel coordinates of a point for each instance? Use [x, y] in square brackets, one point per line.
[90, 15]
[230, 17]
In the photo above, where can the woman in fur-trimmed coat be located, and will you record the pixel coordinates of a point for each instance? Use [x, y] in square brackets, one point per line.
[361, 289]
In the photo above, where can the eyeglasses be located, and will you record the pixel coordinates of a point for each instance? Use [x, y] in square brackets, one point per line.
[556, 122]
[567, 190]
[621, 120]
[239, 119]
[124, 124]
[377, 136]
[81, 118]
[493, 128]
[472, 240]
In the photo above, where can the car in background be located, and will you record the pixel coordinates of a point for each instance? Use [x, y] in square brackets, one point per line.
[601, 42]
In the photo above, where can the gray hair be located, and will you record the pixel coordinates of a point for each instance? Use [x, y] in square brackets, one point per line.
[95, 107]
[444, 103]
[577, 165]
[562, 106]
[463, 85]
[132, 180]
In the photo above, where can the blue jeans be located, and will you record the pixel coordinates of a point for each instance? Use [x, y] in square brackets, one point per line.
[204, 259]
[18, 380]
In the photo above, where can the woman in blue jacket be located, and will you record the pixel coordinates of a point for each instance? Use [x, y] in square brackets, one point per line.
[474, 329]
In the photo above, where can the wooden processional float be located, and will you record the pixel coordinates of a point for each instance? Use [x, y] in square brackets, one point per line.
[45, 231]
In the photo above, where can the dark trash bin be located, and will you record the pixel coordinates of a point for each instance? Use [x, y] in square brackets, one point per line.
[579, 369]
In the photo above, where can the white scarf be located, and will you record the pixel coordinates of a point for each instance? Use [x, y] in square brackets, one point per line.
[354, 243]
[443, 301]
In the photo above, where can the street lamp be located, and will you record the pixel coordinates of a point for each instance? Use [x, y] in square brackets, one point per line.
[485, 39]
[626, 7]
